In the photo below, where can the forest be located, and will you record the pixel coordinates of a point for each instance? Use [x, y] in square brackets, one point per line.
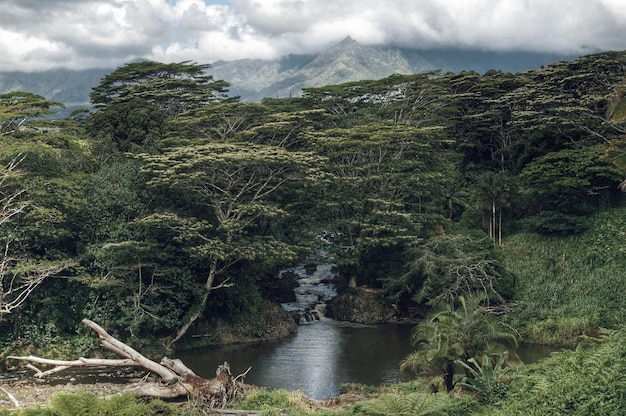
[170, 206]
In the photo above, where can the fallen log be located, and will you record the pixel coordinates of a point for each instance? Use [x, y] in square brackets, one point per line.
[175, 379]
[12, 398]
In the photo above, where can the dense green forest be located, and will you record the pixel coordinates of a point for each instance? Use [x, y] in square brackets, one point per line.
[171, 205]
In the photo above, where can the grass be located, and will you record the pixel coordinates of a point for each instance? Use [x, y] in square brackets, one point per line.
[569, 286]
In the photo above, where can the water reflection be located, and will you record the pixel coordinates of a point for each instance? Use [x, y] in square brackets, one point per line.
[317, 361]
[309, 362]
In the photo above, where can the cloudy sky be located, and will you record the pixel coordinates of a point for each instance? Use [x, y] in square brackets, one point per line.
[43, 34]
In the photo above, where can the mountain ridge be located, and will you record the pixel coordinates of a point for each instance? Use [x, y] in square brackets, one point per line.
[255, 79]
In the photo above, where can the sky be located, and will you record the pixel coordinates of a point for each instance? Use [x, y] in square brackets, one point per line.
[44, 34]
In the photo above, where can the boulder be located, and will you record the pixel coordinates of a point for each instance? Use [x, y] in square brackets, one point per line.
[361, 305]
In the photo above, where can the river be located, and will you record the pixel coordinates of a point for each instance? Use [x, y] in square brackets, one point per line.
[318, 360]
[324, 354]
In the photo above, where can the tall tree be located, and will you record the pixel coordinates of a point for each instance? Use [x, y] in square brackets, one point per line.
[19, 276]
[226, 189]
[385, 189]
[18, 107]
[492, 192]
[175, 87]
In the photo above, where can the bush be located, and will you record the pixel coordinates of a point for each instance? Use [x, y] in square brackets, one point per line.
[562, 331]
[589, 381]
[270, 400]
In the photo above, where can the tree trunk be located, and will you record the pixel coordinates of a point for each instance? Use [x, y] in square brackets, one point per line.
[448, 377]
[209, 286]
[176, 379]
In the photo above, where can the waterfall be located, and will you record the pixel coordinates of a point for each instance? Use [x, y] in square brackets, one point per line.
[314, 289]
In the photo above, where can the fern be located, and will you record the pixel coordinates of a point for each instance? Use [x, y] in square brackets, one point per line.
[88, 404]
[415, 404]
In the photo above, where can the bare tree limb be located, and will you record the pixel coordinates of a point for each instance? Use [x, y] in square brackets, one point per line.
[176, 379]
[12, 398]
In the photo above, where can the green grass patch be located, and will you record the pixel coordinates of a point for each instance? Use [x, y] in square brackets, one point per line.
[569, 286]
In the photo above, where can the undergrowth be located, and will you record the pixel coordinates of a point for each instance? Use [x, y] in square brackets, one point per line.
[567, 287]
[89, 404]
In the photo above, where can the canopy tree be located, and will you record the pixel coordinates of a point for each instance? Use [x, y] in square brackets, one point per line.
[18, 107]
[418, 100]
[564, 187]
[226, 190]
[19, 276]
[175, 87]
[385, 191]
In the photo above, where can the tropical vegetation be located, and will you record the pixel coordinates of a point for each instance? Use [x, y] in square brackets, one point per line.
[487, 205]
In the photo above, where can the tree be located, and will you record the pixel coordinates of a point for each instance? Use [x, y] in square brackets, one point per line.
[175, 87]
[18, 277]
[451, 334]
[136, 125]
[18, 107]
[225, 191]
[443, 268]
[383, 191]
[492, 193]
[563, 187]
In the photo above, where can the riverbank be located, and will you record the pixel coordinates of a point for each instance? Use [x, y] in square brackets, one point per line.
[31, 393]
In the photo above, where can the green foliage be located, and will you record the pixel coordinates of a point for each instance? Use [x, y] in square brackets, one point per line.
[564, 186]
[419, 404]
[486, 378]
[136, 125]
[451, 334]
[574, 282]
[447, 266]
[562, 331]
[88, 404]
[275, 402]
[588, 381]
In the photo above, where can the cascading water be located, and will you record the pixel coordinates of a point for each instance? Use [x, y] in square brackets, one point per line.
[315, 288]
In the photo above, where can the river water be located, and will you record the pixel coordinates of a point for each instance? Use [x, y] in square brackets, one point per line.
[318, 360]
[324, 354]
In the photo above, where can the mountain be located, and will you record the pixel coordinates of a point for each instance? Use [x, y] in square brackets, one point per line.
[255, 79]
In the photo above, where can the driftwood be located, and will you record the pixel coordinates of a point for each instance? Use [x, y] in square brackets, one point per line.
[175, 378]
[12, 398]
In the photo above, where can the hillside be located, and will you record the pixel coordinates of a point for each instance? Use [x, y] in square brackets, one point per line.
[255, 79]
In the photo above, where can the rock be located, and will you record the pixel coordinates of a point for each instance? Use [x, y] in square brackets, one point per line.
[275, 323]
[361, 305]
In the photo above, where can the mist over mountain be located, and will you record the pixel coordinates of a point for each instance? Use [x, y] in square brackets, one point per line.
[255, 79]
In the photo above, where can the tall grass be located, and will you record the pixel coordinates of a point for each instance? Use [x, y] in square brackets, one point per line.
[572, 285]
[587, 382]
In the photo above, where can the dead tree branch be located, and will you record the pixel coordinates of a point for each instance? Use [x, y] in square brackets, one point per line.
[175, 378]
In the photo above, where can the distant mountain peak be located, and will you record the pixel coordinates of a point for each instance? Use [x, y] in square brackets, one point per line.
[347, 41]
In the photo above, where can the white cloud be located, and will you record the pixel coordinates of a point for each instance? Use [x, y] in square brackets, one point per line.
[40, 34]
